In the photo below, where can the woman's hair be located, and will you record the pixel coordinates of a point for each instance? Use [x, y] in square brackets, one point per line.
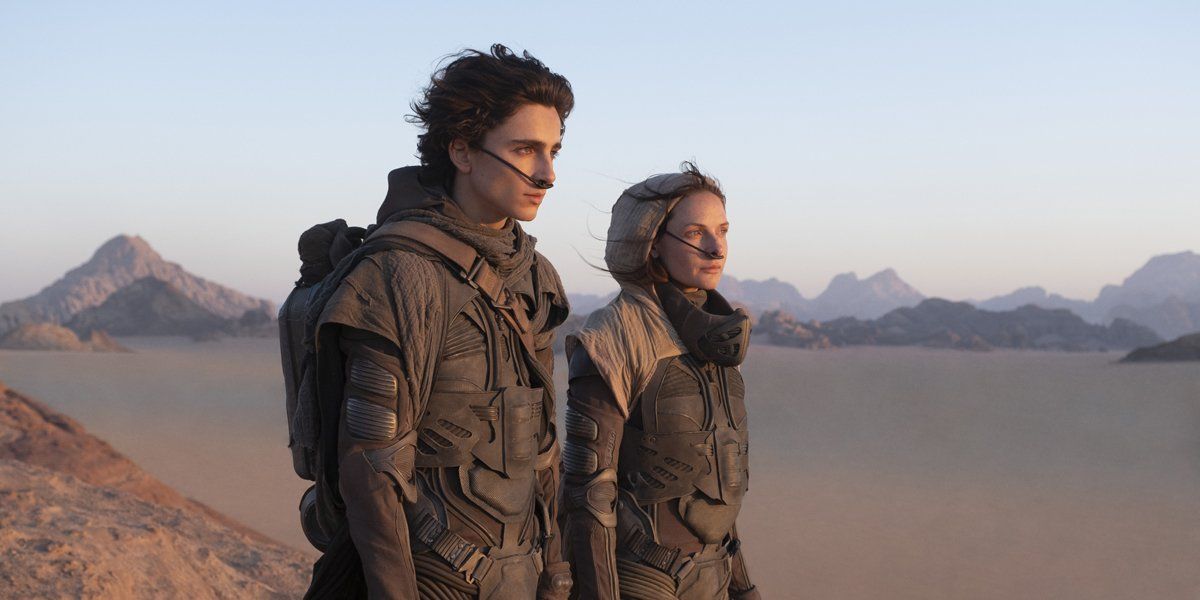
[654, 271]
[474, 93]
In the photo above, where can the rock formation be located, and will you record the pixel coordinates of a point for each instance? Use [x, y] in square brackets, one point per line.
[78, 519]
[945, 324]
[116, 264]
[46, 336]
[1183, 348]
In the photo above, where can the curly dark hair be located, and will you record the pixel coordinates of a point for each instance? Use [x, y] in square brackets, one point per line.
[476, 91]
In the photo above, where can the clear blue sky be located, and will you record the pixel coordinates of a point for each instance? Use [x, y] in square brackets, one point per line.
[973, 146]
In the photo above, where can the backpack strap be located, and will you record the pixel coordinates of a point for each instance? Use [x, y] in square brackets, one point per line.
[472, 268]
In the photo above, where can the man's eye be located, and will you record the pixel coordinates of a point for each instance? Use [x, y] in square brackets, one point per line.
[554, 154]
[524, 150]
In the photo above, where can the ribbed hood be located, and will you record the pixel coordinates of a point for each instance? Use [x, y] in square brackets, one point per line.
[636, 217]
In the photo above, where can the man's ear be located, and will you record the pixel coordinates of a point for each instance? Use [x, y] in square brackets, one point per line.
[460, 155]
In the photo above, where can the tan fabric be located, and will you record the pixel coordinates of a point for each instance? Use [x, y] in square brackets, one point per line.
[626, 339]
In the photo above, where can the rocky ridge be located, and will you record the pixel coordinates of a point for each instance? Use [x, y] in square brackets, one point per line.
[78, 519]
[1185, 348]
[119, 262]
[47, 336]
[959, 325]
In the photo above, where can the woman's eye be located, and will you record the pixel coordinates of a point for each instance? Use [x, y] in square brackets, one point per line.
[694, 233]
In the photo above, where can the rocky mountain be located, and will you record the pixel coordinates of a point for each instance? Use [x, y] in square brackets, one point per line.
[1036, 296]
[47, 336]
[847, 295]
[116, 264]
[771, 294]
[1161, 278]
[148, 306]
[1184, 348]
[1164, 294]
[78, 519]
[945, 324]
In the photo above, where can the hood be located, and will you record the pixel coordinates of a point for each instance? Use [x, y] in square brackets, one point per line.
[407, 190]
[636, 217]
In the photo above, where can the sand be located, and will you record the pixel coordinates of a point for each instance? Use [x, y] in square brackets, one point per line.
[875, 472]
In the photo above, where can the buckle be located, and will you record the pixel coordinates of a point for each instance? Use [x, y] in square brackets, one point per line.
[469, 274]
[685, 568]
[476, 567]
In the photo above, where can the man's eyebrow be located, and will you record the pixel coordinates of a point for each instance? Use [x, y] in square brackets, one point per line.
[533, 143]
[539, 144]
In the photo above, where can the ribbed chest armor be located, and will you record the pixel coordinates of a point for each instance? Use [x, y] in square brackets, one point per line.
[479, 436]
[688, 440]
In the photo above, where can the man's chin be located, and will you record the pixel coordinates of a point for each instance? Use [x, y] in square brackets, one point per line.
[525, 215]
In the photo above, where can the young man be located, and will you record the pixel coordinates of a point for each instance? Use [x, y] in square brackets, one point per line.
[435, 355]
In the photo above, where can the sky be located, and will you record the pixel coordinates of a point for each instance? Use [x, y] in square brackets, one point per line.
[975, 147]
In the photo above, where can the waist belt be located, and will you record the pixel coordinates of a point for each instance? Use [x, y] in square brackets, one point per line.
[668, 559]
[464, 556]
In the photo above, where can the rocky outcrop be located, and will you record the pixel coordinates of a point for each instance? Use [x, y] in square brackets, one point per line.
[1039, 297]
[1170, 318]
[116, 264]
[79, 519]
[1161, 278]
[46, 336]
[1181, 349]
[868, 298]
[61, 537]
[945, 324]
[148, 306]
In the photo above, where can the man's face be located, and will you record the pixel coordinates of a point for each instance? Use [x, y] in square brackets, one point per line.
[530, 140]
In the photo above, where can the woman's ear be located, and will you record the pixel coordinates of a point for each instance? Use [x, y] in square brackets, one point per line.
[460, 155]
[654, 251]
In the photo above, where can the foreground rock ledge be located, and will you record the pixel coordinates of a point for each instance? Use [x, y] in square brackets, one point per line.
[80, 520]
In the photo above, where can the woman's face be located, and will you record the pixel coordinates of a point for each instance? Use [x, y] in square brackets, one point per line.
[699, 219]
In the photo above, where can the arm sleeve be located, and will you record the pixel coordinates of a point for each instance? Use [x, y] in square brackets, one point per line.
[555, 583]
[594, 424]
[375, 461]
[740, 586]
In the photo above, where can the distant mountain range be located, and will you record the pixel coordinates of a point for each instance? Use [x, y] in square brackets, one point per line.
[959, 325]
[127, 288]
[1163, 295]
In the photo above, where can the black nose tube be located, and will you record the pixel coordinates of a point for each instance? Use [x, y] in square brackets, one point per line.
[714, 254]
[540, 184]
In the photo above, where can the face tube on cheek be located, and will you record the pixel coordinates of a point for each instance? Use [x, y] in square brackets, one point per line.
[540, 184]
[713, 255]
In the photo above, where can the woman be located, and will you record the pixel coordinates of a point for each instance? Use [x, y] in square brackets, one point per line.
[655, 459]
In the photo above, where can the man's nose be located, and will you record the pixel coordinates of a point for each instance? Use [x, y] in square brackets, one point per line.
[545, 169]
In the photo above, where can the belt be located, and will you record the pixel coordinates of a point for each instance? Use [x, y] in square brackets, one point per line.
[464, 556]
[669, 560]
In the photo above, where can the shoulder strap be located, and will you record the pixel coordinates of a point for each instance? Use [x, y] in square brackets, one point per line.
[472, 269]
